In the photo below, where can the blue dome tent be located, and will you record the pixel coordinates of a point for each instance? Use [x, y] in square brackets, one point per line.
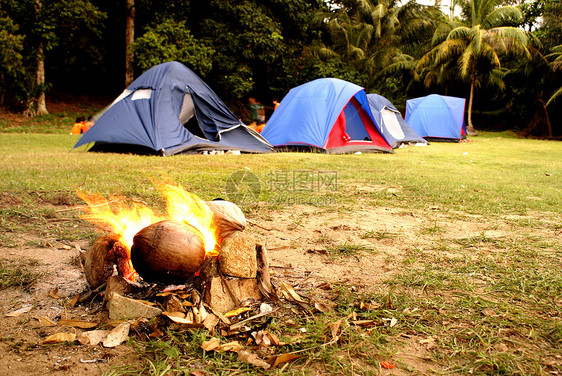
[437, 117]
[170, 110]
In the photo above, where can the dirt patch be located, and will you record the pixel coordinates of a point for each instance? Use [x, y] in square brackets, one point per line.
[21, 337]
[308, 247]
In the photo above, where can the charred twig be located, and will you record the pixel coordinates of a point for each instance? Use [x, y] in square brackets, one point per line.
[90, 295]
[251, 318]
[260, 226]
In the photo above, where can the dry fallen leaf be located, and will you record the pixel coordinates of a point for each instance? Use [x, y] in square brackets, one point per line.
[386, 364]
[501, 347]
[77, 323]
[248, 357]
[289, 293]
[369, 306]
[60, 337]
[211, 344]
[325, 286]
[393, 322]
[45, 321]
[366, 323]
[233, 346]
[177, 317]
[210, 322]
[26, 308]
[335, 328]
[273, 339]
[237, 311]
[156, 332]
[93, 337]
[282, 358]
[118, 335]
[321, 307]
[198, 373]
[202, 312]
[54, 294]
[75, 300]
[196, 314]
[264, 338]
[427, 340]
[164, 294]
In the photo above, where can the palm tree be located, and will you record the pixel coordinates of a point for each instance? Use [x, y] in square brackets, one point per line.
[556, 65]
[368, 35]
[474, 46]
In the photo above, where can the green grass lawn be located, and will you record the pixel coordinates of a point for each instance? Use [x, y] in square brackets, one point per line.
[472, 297]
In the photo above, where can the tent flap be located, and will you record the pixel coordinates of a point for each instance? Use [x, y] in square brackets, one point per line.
[393, 126]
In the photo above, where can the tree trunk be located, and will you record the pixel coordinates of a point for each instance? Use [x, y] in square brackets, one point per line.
[41, 99]
[129, 39]
[451, 10]
[470, 128]
[549, 125]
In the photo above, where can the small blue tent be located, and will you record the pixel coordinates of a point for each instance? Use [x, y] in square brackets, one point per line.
[328, 115]
[170, 110]
[391, 123]
[437, 117]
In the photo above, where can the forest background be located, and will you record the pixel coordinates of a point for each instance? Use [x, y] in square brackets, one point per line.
[503, 56]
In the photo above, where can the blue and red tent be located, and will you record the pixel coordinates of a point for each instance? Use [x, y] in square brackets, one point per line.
[327, 114]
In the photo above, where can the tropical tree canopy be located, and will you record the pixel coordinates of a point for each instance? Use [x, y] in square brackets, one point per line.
[475, 45]
[262, 49]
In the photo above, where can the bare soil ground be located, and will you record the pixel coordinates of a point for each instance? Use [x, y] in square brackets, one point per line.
[300, 240]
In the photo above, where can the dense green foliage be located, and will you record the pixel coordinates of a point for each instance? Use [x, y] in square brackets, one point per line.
[507, 51]
[476, 46]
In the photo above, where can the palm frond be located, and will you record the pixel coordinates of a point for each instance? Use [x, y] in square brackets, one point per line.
[556, 94]
[491, 55]
[404, 62]
[556, 57]
[496, 78]
[482, 9]
[441, 33]
[502, 16]
[449, 50]
[467, 60]
[461, 32]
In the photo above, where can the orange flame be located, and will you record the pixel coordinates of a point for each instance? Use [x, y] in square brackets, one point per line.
[126, 218]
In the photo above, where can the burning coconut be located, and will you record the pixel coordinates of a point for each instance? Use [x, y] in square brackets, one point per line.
[197, 241]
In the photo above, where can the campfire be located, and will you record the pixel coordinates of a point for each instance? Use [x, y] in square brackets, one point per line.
[193, 267]
[196, 243]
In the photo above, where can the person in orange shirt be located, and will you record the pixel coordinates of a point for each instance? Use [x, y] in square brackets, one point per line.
[81, 125]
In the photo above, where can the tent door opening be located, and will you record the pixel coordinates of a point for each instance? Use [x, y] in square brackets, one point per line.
[354, 123]
[391, 124]
[188, 117]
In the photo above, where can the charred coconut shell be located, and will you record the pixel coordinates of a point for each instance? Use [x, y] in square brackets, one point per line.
[167, 251]
[97, 266]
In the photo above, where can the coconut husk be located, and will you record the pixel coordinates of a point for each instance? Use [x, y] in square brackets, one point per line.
[228, 217]
[96, 268]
